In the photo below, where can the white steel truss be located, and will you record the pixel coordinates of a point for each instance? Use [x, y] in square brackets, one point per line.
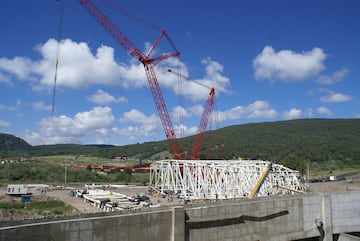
[221, 179]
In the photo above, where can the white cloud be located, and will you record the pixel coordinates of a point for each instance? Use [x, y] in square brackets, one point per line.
[324, 110]
[337, 76]
[292, 114]
[102, 97]
[2, 107]
[258, 109]
[179, 113]
[261, 109]
[142, 125]
[136, 116]
[148, 126]
[15, 107]
[65, 129]
[4, 124]
[182, 130]
[333, 97]
[78, 67]
[4, 78]
[39, 105]
[288, 66]
[20, 67]
[196, 110]
[196, 89]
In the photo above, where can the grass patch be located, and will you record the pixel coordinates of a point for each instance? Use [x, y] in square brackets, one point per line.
[45, 208]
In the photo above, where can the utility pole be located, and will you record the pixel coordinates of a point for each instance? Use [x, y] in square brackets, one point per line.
[65, 175]
[308, 171]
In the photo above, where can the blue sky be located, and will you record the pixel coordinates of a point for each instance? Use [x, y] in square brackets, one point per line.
[268, 61]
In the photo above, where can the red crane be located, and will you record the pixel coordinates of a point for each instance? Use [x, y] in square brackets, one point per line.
[208, 108]
[148, 64]
[203, 125]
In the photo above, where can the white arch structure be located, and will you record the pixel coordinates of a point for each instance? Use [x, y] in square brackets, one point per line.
[221, 179]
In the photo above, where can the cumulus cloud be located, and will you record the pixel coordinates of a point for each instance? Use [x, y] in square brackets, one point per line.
[102, 97]
[196, 89]
[337, 76]
[4, 78]
[324, 111]
[141, 125]
[288, 66]
[15, 107]
[333, 97]
[292, 114]
[182, 130]
[4, 124]
[78, 67]
[258, 109]
[20, 67]
[179, 113]
[39, 105]
[64, 129]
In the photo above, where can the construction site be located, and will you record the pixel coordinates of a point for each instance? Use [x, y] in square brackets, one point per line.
[185, 176]
[192, 179]
[195, 194]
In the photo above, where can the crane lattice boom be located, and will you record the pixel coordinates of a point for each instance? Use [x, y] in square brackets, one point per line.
[148, 63]
[202, 126]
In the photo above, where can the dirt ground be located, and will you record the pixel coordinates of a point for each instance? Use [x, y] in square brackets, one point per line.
[334, 186]
[131, 191]
[80, 206]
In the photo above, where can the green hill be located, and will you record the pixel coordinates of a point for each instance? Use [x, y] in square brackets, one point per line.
[11, 145]
[293, 143]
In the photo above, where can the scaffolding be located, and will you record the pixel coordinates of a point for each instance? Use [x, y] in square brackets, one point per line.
[221, 179]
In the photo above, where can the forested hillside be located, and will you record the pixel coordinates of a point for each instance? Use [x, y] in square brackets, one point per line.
[293, 143]
[12, 145]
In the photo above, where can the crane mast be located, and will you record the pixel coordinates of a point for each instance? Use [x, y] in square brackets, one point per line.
[148, 64]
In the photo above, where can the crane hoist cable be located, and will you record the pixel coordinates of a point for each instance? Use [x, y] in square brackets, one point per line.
[130, 15]
[61, 16]
[139, 20]
[210, 115]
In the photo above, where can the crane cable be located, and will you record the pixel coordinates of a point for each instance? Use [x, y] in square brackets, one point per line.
[130, 15]
[139, 20]
[61, 16]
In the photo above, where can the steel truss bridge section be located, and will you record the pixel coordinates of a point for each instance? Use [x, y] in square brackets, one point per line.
[221, 179]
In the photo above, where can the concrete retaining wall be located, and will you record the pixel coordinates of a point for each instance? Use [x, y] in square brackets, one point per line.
[266, 219]
[317, 216]
[154, 226]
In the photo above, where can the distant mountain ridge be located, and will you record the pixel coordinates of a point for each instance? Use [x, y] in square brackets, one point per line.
[289, 142]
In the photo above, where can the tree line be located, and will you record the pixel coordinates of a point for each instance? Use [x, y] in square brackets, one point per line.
[293, 143]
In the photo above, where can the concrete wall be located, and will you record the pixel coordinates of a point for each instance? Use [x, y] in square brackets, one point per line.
[154, 226]
[277, 218]
[273, 218]
[283, 218]
[345, 212]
